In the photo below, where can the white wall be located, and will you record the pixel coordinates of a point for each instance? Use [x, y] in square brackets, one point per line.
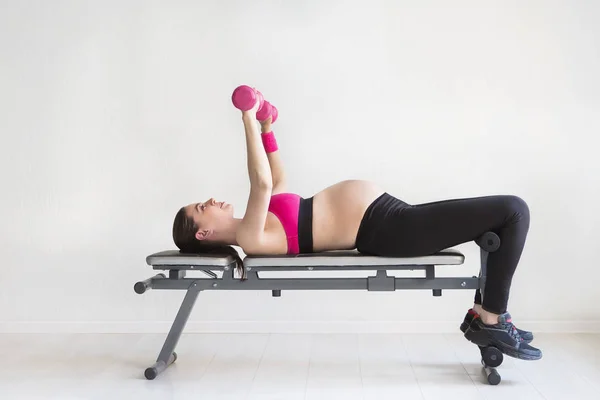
[113, 114]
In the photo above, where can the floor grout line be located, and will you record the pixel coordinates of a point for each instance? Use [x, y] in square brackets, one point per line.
[411, 366]
[262, 355]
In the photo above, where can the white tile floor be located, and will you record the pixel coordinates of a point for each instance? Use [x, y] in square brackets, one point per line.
[337, 366]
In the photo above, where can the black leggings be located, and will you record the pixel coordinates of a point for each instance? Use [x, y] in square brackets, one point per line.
[391, 227]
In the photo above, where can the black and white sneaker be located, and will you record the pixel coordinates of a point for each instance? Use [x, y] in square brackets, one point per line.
[504, 336]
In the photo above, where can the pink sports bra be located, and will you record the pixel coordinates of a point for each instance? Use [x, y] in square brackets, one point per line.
[286, 207]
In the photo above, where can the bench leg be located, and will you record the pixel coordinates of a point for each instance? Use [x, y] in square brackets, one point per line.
[167, 355]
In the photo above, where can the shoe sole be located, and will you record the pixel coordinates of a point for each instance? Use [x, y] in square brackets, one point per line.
[509, 351]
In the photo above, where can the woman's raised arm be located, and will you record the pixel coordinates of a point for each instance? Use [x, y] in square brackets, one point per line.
[251, 232]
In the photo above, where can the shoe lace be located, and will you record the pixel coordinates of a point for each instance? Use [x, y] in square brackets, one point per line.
[512, 331]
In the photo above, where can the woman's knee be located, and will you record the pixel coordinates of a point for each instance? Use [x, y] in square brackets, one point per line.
[516, 208]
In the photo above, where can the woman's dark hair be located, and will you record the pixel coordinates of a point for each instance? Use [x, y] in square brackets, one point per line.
[184, 236]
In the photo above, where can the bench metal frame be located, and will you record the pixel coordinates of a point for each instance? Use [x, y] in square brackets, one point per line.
[381, 281]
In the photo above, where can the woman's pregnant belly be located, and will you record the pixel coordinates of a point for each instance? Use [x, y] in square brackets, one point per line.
[337, 212]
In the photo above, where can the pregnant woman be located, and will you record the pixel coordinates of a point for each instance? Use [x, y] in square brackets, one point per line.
[356, 214]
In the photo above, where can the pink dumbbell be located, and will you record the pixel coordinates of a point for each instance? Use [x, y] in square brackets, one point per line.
[244, 98]
[267, 110]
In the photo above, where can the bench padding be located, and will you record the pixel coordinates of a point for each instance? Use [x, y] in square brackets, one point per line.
[174, 258]
[330, 258]
[353, 258]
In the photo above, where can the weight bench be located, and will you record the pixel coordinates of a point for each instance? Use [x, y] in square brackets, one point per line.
[178, 264]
